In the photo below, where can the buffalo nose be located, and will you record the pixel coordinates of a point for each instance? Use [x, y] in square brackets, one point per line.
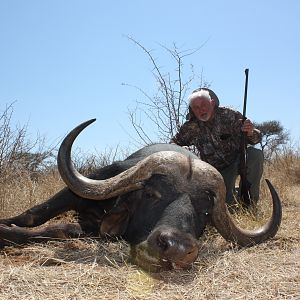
[173, 245]
[178, 248]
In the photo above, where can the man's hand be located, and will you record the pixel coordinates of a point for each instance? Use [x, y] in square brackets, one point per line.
[247, 127]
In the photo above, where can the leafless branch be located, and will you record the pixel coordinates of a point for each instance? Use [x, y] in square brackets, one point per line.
[167, 108]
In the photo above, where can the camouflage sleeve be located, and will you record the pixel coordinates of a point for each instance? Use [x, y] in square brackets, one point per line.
[183, 137]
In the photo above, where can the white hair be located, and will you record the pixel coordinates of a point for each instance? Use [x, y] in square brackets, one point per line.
[199, 94]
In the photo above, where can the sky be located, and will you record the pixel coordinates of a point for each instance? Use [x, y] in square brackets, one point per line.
[64, 61]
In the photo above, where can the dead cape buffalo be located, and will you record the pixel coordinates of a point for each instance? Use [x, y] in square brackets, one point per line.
[159, 200]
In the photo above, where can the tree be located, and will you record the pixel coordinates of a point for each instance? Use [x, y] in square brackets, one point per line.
[18, 154]
[273, 137]
[167, 108]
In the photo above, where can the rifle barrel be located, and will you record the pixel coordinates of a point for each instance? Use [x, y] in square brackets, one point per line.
[245, 94]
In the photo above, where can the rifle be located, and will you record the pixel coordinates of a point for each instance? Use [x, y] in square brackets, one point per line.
[245, 196]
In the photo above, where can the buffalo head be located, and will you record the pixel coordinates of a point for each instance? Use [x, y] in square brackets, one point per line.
[162, 205]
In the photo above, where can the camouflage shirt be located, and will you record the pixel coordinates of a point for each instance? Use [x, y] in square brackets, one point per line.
[218, 140]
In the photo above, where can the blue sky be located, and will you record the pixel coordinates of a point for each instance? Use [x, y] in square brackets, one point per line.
[64, 62]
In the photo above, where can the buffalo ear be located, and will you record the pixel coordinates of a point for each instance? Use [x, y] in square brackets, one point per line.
[115, 222]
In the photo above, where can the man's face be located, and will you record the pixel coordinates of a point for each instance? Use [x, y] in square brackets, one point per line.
[203, 108]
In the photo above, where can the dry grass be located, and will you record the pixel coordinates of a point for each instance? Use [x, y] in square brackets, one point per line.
[89, 269]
